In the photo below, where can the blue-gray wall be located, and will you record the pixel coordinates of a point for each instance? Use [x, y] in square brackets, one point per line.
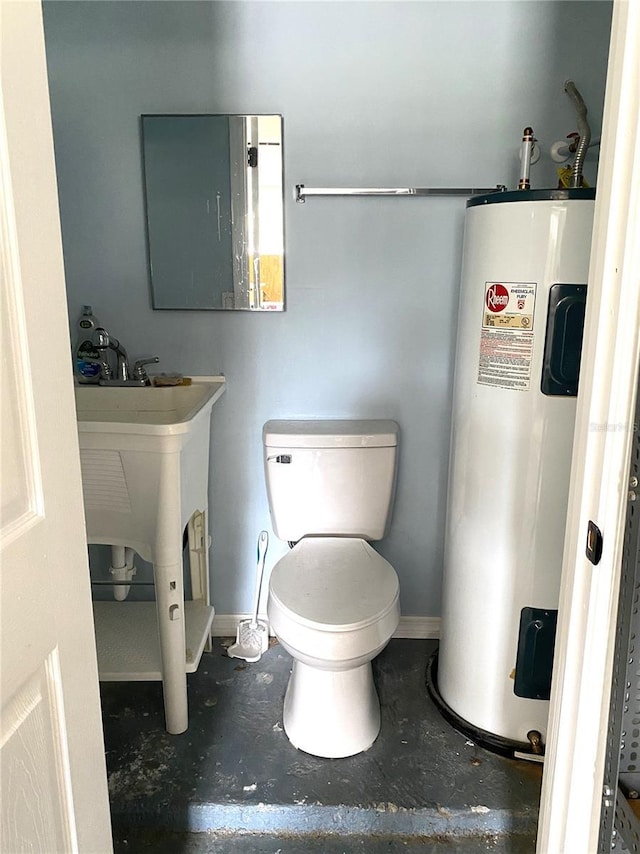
[372, 94]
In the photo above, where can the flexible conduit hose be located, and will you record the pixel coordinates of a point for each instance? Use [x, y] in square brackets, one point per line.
[583, 130]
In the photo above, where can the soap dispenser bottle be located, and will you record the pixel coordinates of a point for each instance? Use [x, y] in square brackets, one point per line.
[85, 356]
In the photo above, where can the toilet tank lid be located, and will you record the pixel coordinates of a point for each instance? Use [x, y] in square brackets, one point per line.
[330, 433]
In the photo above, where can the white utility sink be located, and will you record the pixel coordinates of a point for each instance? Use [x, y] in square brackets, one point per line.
[144, 454]
[150, 410]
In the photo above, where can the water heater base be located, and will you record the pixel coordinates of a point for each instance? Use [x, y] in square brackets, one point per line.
[488, 740]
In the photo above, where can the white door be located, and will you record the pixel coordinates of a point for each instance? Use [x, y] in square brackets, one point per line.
[53, 776]
[576, 749]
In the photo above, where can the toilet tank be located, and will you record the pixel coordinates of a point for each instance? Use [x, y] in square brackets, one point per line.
[330, 477]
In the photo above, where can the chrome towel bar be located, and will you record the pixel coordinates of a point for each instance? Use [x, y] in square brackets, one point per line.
[303, 192]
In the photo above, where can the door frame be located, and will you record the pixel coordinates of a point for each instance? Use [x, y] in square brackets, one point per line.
[572, 794]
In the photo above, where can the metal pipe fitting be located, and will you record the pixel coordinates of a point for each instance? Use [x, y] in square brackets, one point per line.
[583, 129]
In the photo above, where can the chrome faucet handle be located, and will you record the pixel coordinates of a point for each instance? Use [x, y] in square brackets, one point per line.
[139, 372]
[106, 372]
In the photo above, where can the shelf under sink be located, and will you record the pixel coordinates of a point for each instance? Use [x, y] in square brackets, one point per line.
[127, 639]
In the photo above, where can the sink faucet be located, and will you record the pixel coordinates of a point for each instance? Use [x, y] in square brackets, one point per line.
[124, 375]
[103, 341]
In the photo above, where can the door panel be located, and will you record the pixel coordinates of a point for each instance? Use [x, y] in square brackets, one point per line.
[37, 803]
[52, 766]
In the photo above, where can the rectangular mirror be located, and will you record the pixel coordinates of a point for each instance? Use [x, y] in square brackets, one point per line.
[214, 208]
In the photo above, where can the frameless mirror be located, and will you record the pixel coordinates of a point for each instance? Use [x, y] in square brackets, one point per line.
[214, 207]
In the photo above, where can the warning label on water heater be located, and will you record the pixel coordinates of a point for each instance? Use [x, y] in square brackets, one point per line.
[506, 341]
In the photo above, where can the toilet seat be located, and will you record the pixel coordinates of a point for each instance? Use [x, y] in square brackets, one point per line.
[334, 584]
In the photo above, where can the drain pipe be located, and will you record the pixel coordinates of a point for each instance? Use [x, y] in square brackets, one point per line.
[583, 129]
[122, 569]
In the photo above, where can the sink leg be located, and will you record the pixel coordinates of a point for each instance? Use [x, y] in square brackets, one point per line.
[171, 630]
[167, 570]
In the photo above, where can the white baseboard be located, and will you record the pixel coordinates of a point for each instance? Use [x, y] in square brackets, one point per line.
[418, 627]
[225, 625]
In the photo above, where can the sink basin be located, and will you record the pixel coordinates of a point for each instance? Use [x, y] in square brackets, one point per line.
[147, 409]
[139, 449]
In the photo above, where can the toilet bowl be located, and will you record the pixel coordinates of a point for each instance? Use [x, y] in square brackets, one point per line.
[333, 600]
[333, 605]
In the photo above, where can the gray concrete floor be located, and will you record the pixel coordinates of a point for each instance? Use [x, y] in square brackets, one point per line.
[140, 841]
[234, 783]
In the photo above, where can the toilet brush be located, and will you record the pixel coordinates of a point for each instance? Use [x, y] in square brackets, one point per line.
[253, 635]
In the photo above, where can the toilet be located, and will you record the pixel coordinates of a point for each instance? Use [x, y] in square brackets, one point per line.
[333, 600]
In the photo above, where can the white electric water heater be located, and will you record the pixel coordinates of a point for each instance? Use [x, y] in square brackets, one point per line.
[522, 301]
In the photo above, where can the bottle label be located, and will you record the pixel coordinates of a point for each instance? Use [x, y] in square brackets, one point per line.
[87, 370]
[86, 367]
